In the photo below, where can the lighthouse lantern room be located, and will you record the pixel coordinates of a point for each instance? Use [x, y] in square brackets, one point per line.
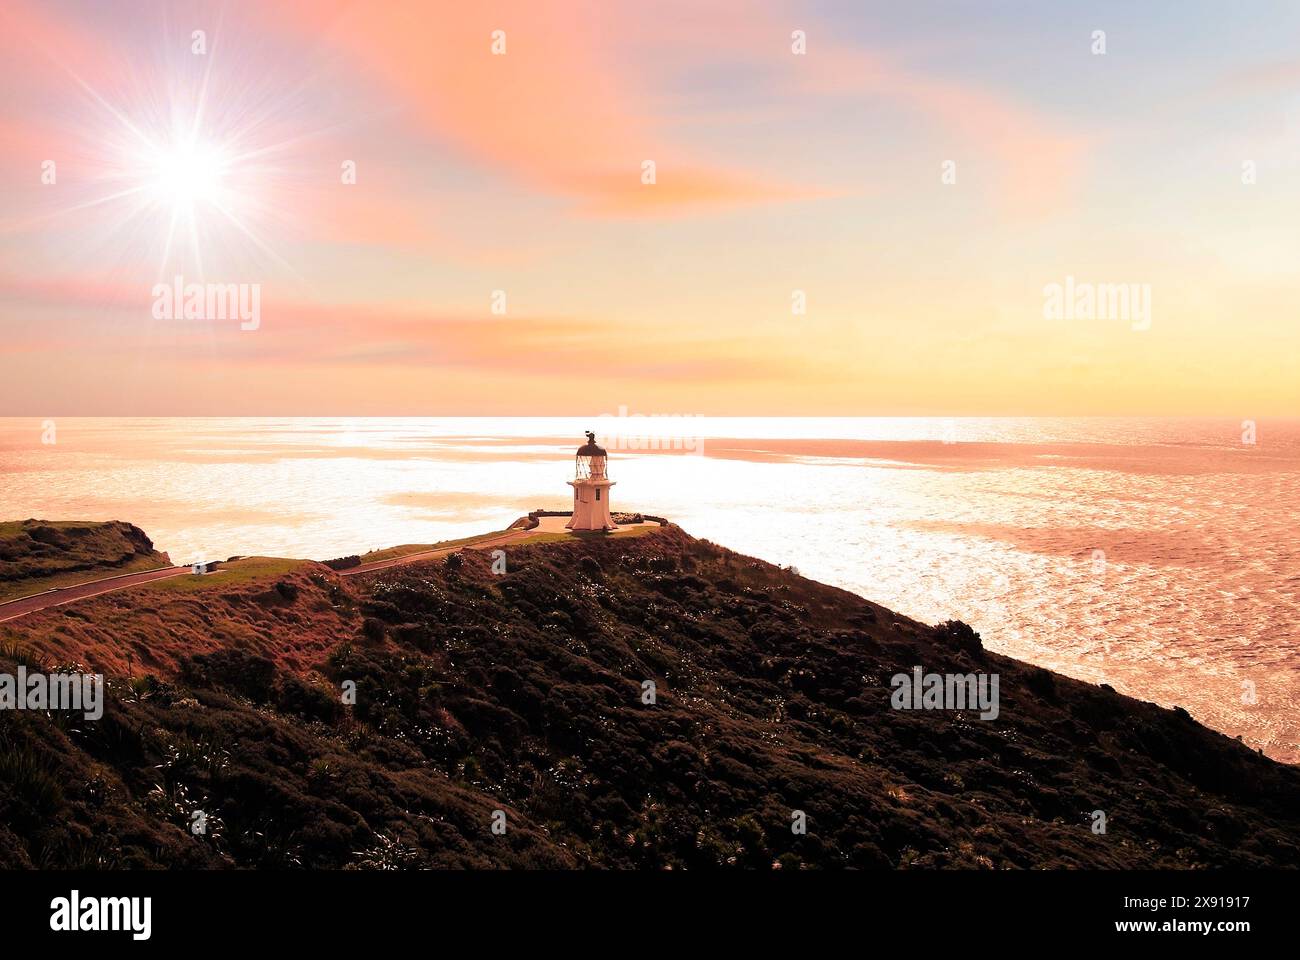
[591, 485]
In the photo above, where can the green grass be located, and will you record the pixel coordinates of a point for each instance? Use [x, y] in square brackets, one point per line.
[230, 573]
[11, 528]
[405, 550]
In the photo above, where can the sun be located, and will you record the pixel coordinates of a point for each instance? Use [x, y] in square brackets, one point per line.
[189, 168]
[186, 174]
[188, 183]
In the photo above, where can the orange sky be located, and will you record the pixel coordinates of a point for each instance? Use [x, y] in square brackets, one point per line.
[522, 172]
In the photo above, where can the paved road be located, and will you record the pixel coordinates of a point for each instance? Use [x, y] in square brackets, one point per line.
[54, 598]
[80, 591]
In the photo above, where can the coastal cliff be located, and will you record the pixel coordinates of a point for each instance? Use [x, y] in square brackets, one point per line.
[38, 554]
[643, 702]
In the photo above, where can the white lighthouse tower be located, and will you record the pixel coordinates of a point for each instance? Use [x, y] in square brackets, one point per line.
[591, 485]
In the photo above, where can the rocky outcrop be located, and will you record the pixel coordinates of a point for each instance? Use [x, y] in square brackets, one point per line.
[33, 549]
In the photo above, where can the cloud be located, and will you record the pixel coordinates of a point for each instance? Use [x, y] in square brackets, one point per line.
[110, 319]
[558, 112]
[1037, 158]
[399, 336]
[32, 40]
[1261, 79]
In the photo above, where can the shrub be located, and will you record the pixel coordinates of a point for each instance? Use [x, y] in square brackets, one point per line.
[23, 768]
[960, 635]
[245, 673]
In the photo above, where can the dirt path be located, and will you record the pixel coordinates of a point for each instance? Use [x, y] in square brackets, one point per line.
[510, 536]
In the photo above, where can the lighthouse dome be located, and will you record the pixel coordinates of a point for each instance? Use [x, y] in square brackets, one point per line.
[589, 449]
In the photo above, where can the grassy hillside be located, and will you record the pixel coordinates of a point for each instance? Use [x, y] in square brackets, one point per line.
[406, 549]
[522, 693]
[38, 554]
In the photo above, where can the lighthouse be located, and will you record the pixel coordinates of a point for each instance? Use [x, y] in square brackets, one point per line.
[591, 485]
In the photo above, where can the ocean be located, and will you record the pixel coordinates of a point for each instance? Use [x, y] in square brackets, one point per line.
[1159, 556]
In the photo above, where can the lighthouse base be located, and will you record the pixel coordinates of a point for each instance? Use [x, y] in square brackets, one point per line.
[591, 505]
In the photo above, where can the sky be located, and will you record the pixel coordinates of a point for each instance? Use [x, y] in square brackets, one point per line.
[856, 208]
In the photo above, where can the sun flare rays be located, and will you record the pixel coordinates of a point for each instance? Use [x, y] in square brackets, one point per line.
[185, 169]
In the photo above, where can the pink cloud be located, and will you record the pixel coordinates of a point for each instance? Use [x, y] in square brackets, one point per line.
[1038, 158]
[556, 112]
